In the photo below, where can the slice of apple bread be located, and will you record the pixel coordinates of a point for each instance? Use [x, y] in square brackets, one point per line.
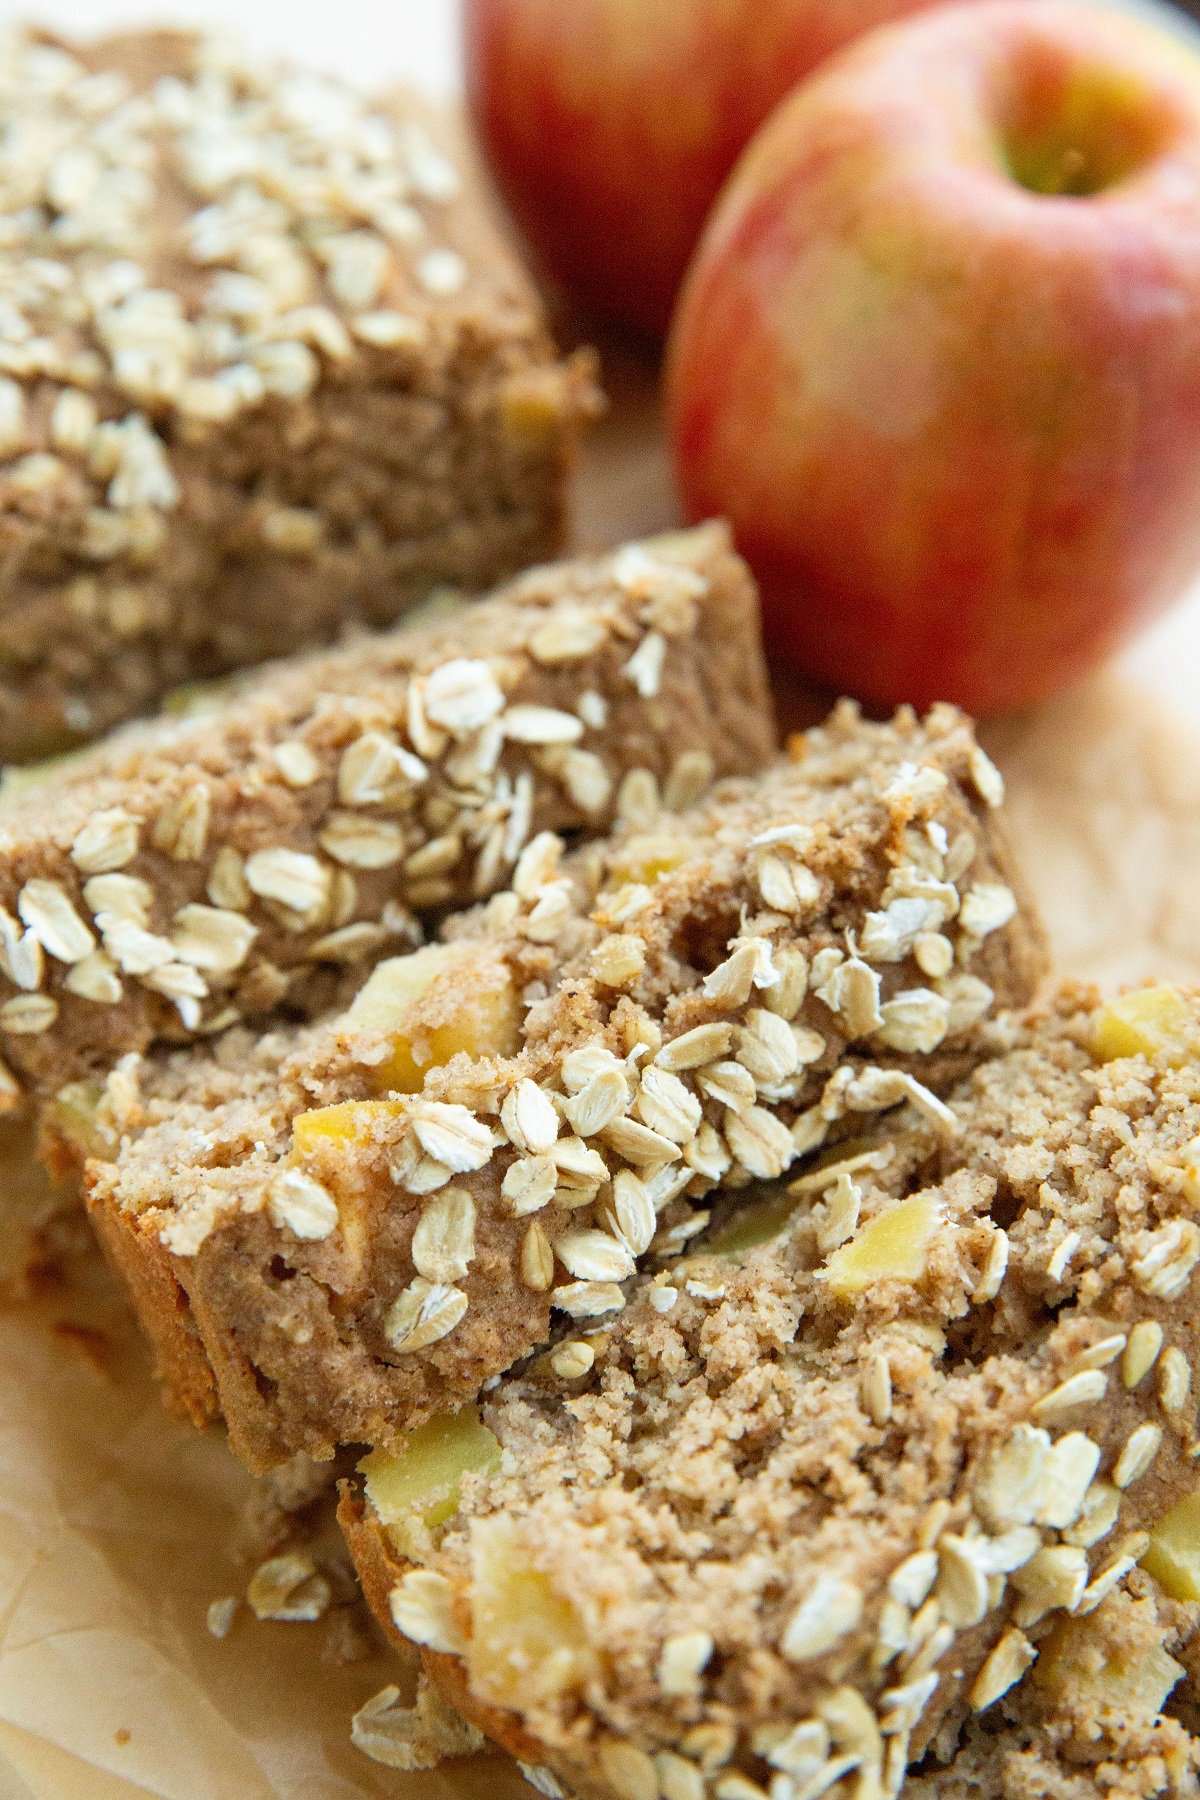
[195, 870]
[338, 1231]
[838, 1479]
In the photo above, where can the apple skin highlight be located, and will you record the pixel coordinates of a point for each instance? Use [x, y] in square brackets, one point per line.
[610, 125]
[954, 421]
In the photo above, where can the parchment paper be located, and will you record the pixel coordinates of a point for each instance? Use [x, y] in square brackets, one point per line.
[119, 1526]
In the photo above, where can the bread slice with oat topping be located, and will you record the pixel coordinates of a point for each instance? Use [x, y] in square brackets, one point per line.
[355, 1225]
[1090, 1723]
[266, 369]
[833, 1483]
[1108, 1712]
[188, 872]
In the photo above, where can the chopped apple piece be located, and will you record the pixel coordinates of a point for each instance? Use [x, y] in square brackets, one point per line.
[1150, 1021]
[644, 859]
[527, 1642]
[395, 986]
[531, 407]
[424, 1473]
[893, 1246]
[1173, 1557]
[480, 1015]
[321, 1139]
[1079, 1662]
[351, 1124]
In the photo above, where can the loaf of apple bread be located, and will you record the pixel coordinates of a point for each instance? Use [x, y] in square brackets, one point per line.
[267, 369]
[877, 1451]
[338, 1231]
[190, 872]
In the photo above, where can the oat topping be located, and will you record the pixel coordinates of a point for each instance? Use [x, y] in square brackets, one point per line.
[412, 1737]
[109, 840]
[423, 1313]
[422, 1609]
[1141, 1351]
[1174, 1381]
[1082, 1389]
[289, 1588]
[573, 1359]
[827, 1614]
[49, 914]
[301, 198]
[302, 1205]
[28, 1014]
[443, 1245]
[537, 1257]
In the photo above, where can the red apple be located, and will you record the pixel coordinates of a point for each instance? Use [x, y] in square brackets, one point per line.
[611, 124]
[938, 357]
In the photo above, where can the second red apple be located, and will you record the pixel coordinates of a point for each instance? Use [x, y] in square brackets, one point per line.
[610, 124]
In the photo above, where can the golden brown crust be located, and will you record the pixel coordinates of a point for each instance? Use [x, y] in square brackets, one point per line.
[379, 1568]
[305, 379]
[301, 824]
[180, 1362]
[767, 882]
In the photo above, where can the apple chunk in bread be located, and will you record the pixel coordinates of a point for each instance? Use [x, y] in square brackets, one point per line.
[1173, 1555]
[894, 1245]
[422, 1475]
[643, 859]
[415, 1013]
[1148, 1021]
[526, 1637]
[420, 1010]
[1079, 1663]
[347, 1125]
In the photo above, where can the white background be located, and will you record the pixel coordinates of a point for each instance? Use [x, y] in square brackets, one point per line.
[373, 41]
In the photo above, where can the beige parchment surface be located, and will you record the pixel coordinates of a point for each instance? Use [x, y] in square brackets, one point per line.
[119, 1526]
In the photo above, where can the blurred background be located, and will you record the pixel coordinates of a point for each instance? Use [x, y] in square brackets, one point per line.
[371, 41]
[376, 42]
[368, 40]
